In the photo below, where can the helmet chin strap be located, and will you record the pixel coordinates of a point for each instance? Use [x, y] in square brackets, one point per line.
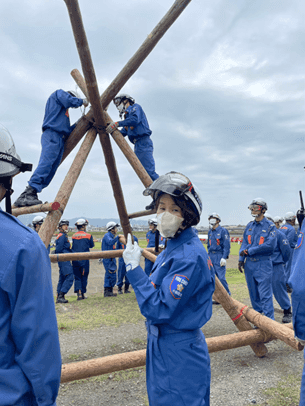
[7, 185]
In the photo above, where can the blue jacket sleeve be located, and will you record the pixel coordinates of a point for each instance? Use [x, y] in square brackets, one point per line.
[123, 132]
[226, 243]
[292, 237]
[33, 319]
[243, 246]
[60, 244]
[133, 117]
[268, 245]
[208, 243]
[284, 247]
[91, 242]
[66, 100]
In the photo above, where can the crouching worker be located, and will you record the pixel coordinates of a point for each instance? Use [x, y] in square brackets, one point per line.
[176, 299]
[66, 276]
[81, 242]
[30, 362]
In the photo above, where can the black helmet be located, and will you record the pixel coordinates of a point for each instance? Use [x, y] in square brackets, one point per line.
[180, 187]
[63, 222]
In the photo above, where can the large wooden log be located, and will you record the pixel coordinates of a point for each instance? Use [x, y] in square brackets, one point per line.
[128, 70]
[19, 211]
[142, 213]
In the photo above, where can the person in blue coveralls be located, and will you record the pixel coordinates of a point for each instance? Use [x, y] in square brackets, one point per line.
[259, 242]
[66, 276]
[176, 299]
[135, 126]
[81, 242]
[122, 269]
[37, 223]
[218, 249]
[151, 242]
[56, 129]
[292, 236]
[297, 283]
[108, 244]
[279, 258]
[30, 361]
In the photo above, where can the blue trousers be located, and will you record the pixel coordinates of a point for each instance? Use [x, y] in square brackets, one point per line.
[279, 286]
[81, 274]
[219, 270]
[66, 277]
[148, 266]
[288, 268]
[122, 273]
[177, 368]
[110, 278]
[259, 280]
[302, 397]
[52, 148]
[144, 151]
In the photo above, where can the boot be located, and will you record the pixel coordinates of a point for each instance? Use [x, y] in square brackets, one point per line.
[289, 289]
[83, 296]
[28, 198]
[61, 298]
[80, 296]
[120, 292]
[108, 292]
[126, 288]
[287, 318]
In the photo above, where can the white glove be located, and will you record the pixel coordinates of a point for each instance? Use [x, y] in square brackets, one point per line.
[132, 254]
[300, 340]
[85, 103]
[223, 262]
[161, 246]
[111, 127]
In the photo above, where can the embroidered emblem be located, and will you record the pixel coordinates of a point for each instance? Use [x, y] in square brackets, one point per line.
[272, 233]
[300, 240]
[285, 242]
[177, 285]
[226, 236]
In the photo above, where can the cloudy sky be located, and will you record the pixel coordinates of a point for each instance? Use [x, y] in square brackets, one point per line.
[223, 90]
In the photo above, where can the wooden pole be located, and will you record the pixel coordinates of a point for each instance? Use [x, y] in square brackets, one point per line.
[128, 70]
[236, 315]
[18, 211]
[142, 213]
[51, 221]
[118, 137]
[99, 115]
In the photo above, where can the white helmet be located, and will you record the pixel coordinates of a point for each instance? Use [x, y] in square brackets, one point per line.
[153, 222]
[214, 215]
[289, 216]
[119, 102]
[37, 220]
[258, 202]
[277, 219]
[74, 93]
[81, 222]
[269, 217]
[111, 224]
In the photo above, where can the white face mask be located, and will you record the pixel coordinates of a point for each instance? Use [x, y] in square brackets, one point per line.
[212, 222]
[168, 224]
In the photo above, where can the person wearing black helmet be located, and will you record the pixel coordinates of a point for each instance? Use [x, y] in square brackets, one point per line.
[176, 299]
[29, 336]
[255, 257]
[66, 276]
[56, 130]
[136, 127]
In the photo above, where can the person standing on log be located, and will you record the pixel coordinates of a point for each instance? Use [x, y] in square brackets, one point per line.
[56, 130]
[176, 299]
[259, 242]
[66, 276]
[292, 236]
[30, 361]
[218, 249]
[81, 242]
[135, 126]
[151, 236]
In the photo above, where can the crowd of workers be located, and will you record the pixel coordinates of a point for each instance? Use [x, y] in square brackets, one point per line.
[174, 294]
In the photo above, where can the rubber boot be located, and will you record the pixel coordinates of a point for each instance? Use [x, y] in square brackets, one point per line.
[287, 318]
[79, 296]
[61, 298]
[126, 288]
[108, 292]
[28, 198]
[120, 292]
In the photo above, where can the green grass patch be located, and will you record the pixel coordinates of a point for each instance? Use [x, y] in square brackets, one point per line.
[237, 284]
[286, 393]
[98, 311]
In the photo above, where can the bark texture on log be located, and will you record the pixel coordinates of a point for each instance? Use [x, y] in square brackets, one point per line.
[18, 211]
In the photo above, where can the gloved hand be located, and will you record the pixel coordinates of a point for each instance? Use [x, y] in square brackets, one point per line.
[112, 127]
[300, 217]
[244, 253]
[241, 266]
[223, 262]
[132, 254]
[300, 340]
[161, 246]
[85, 103]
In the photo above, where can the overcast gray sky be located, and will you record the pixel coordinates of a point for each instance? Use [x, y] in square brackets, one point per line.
[223, 92]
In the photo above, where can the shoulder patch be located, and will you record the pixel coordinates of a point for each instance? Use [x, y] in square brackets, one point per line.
[178, 284]
[272, 233]
[226, 236]
[300, 240]
[285, 242]
[284, 228]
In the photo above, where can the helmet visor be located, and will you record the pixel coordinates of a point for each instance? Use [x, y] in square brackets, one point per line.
[255, 207]
[174, 184]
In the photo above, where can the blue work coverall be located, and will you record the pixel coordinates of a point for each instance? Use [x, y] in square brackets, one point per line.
[66, 276]
[297, 283]
[56, 129]
[108, 244]
[151, 239]
[136, 127]
[292, 237]
[122, 266]
[219, 247]
[81, 242]
[260, 241]
[177, 301]
[279, 258]
[30, 361]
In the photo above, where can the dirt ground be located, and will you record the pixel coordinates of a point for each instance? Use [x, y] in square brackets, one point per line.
[238, 377]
